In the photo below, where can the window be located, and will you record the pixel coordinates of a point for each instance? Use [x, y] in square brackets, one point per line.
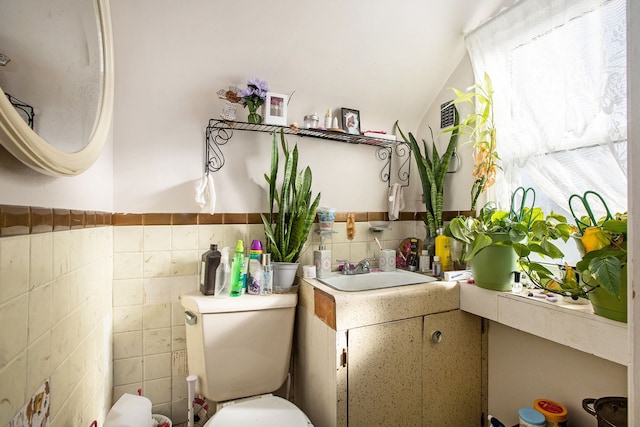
[559, 76]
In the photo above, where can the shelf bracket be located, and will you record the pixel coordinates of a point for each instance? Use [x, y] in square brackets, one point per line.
[218, 133]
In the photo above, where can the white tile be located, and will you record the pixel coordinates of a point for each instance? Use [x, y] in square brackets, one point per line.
[179, 388]
[40, 311]
[127, 371]
[128, 265]
[183, 284]
[157, 316]
[358, 252]
[362, 232]
[185, 262]
[65, 337]
[233, 233]
[127, 344]
[157, 341]
[157, 264]
[157, 238]
[61, 253]
[178, 338]
[13, 378]
[158, 290]
[39, 362]
[211, 233]
[158, 391]
[128, 292]
[177, 314]
[184, 237]
[127, 318]
[128, 239]
[14, 267]
[40, 259]
[178, 411]
[157, 366]
[13, 330]
[78, 253]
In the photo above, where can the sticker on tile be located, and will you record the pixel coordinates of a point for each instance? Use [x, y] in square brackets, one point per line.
[36, 411]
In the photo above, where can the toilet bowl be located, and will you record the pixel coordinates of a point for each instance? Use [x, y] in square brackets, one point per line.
[261, 411]
[239, 349]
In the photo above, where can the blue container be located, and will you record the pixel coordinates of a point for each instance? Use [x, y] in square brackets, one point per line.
[529, 417]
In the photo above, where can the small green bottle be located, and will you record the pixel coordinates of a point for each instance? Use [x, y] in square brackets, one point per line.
[236, 270]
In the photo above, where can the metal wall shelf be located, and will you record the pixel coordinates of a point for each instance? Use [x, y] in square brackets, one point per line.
[219, 132]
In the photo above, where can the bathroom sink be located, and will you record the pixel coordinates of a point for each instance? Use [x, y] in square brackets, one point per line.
[375, 280]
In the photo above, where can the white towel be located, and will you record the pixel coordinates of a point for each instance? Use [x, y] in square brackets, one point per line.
[396, 201]
[206, 193]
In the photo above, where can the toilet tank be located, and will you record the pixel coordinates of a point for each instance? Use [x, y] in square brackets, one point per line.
[238, 347]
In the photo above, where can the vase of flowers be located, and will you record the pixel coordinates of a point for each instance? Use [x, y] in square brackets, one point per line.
[253, 97]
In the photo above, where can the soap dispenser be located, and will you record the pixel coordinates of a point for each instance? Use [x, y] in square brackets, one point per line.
[322, 260]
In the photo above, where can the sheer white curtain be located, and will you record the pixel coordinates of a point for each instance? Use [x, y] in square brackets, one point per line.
[559, 74]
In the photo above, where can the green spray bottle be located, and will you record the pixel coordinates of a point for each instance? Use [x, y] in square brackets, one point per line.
[236, 270]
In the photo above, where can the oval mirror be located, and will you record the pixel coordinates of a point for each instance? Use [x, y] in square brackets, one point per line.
[56, 58]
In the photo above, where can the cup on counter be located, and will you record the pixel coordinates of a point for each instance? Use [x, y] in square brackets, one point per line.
[387, 260]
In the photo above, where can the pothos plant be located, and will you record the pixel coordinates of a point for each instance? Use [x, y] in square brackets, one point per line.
[432, 170]
[480, 128]
[287, 230]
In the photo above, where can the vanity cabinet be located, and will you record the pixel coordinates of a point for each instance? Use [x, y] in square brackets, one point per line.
[405, 369]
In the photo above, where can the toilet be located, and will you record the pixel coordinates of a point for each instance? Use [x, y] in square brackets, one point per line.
[239, 348]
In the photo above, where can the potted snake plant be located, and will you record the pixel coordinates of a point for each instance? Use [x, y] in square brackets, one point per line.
[291, 213]
[432, 171]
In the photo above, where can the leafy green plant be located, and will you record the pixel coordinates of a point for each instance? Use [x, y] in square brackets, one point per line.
[432, 171]
[603, 247]
[287, 230]
[481, 130]
[528, 232]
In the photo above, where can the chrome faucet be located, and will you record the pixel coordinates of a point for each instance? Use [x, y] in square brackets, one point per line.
[363, 266]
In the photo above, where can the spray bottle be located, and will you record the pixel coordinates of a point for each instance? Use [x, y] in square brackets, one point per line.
[223, 275]
[237, 267]
[254, 273]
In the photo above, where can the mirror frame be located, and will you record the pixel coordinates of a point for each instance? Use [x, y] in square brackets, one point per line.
[31, 149]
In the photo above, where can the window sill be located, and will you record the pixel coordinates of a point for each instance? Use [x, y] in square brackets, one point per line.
[572, 325]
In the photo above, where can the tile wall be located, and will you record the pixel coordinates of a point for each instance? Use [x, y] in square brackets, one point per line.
[154, 264]
[55, 316]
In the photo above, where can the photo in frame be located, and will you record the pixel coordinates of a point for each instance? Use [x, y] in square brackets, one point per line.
[275, 109]
[350, 120]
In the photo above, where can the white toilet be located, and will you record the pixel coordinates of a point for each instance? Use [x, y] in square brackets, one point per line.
[239, 348]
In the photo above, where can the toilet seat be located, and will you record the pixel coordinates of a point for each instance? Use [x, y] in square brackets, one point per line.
[263, 411]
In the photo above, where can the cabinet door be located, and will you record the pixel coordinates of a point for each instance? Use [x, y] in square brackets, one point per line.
[384, 374]
[452, 369]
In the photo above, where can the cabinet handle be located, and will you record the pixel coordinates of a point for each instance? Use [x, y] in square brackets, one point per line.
[436, 337]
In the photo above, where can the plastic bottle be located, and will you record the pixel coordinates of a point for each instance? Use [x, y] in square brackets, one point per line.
[443, 250]
[223, 275]
[424, 262]
[437, 267]
[210, 263]
[327, 119]
[236, 270]
[254, 273]
[267, 275]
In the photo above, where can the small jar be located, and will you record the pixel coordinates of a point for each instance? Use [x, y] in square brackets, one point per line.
[311, 121]
[529, 417]
[555, 414]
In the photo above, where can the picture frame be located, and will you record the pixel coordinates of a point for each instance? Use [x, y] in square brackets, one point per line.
[275, 109]
[350, 120]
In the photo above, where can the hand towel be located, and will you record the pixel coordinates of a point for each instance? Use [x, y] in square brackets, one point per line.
[206, 193]
[396, 201]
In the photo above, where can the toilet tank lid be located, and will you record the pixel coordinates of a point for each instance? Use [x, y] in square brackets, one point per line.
[201, 304]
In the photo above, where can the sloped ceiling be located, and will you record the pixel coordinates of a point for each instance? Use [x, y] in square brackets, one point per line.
[387, 59]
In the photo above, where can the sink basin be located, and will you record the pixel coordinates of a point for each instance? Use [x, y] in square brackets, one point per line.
[375, 280]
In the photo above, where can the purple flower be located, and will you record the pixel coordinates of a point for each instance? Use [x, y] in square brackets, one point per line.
[255, 94]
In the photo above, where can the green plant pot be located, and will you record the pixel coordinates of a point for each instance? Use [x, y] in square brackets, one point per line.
[494, 265]
[606, 305]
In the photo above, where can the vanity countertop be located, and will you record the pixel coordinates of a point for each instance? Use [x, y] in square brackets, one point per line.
[345, 310]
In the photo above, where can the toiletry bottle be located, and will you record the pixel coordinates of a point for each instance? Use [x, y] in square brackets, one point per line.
[236, 270]
[322, 261]
[267, 275]
[327, 119]
[516, 286]
[208, 268]
[437, 267]
[254, 273]
[424, 262]
[223, 275]
[443, 250]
